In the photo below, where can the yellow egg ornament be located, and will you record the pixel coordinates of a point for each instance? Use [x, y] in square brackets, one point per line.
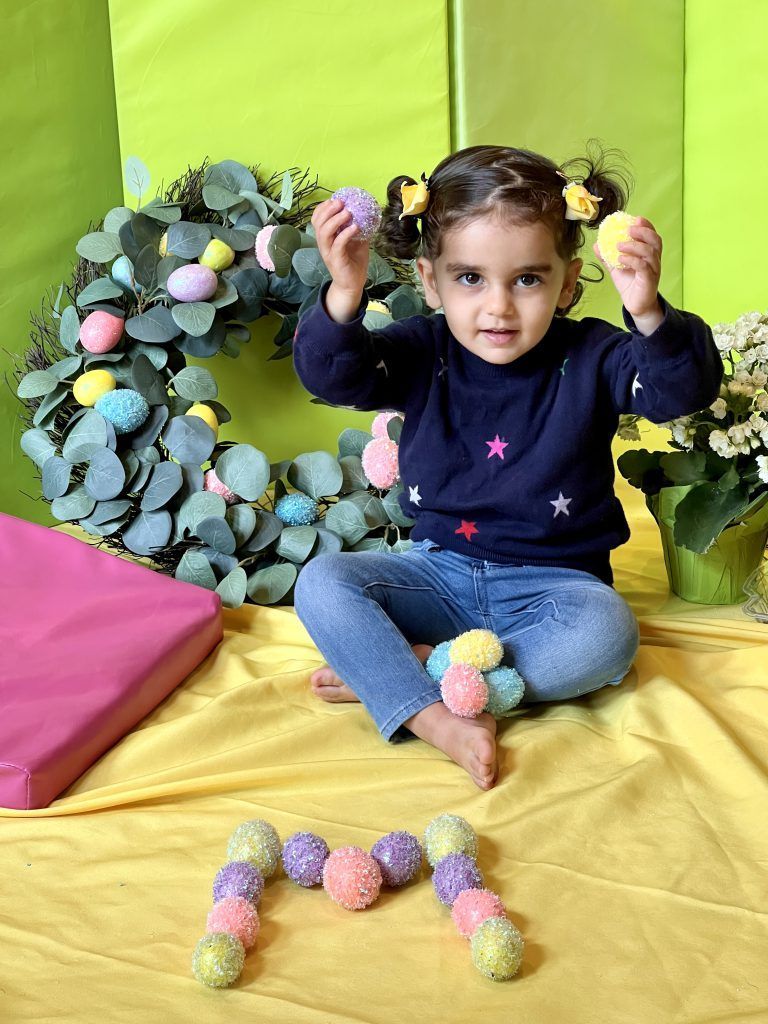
[206, 414]
[163, 246]
[217, 255]
[91, 386]
[614, 231]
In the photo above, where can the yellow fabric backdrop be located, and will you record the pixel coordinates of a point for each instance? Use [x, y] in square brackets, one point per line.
[627, 836]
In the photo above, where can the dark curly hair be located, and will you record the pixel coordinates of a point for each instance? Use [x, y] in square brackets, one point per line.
[514, 183]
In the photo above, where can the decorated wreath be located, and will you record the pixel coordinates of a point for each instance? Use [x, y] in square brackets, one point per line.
[125, 434]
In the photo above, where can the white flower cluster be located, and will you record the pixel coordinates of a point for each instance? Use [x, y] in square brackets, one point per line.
[743, 345]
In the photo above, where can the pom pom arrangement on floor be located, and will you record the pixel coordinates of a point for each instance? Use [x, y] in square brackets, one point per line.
[353, 878]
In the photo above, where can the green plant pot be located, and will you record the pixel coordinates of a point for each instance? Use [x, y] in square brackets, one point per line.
[716, 576]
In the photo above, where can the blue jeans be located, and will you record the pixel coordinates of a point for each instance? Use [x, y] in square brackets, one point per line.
[564, 630]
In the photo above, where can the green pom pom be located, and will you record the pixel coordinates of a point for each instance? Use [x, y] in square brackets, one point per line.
[497, 948]
[218, 959]
[448, 833]
[257, 842]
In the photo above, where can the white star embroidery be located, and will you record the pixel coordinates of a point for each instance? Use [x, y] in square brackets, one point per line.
[383, 365]
[636, 383]
[415, 497]
[561, 505]
[443, 368]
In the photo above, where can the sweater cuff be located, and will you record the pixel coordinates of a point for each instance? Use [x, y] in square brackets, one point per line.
[342, 332]
[669, 340]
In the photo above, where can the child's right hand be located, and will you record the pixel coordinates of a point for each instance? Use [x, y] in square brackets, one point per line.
[344, 253]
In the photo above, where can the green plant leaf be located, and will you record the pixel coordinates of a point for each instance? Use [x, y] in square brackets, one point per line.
[194, 317]
[98, 291]
[189, 440]
[195, 568]
[37, 445]
[684, 467]
[56, 476]
[165, 481]
[36, 383]
[74, 505]
[244, 470]
[232, 589]
[187, 239]
[105, 477]
[136, 177]
[156, 326]
[215, 531]
[704, 512]
[199, 506]
[69, 329]
[99, 246]
[346, 519]
[316, 473]
[268, 586]
[195, 383]
[296, 542]
[148, 533]
[88, 435]
[242, 522]
[353, 441]
[116, 217]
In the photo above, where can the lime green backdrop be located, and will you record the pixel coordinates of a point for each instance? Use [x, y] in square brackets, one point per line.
[357, 101]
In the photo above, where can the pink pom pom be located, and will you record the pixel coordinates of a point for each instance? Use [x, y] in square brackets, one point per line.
[351, 877]
[464, 690]
[260, 248]
[379, 425]
[380, 463]
[472, 907]
[237, 916]
[212, 483]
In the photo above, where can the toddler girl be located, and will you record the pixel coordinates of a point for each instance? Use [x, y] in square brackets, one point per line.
[505, 455]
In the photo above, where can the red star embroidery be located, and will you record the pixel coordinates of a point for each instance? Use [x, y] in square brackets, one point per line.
[467, 529]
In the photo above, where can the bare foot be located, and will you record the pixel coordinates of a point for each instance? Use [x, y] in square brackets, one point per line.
[327, 686]
[470, 742]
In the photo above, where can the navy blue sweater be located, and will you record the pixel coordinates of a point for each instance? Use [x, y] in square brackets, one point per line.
[512, 463]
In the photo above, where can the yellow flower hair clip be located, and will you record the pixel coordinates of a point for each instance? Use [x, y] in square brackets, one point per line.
[415, 197]
[580, 203]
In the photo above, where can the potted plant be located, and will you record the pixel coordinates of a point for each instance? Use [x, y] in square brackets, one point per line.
[709, 496]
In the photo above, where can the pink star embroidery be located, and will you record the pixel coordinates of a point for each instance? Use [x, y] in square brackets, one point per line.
[497, 447]
[467, 529]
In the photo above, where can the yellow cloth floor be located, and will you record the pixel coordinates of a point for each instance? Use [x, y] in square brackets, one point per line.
[627, 836]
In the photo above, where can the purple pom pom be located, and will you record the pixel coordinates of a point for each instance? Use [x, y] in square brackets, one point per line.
[238, 878]
[304, 854]
[453, 874]
[398, 854]
[366, 212]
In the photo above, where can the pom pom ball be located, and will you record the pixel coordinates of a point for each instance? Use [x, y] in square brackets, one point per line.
[213, 484]
[448, 833]
[238, 878]
[505, 690]
[92, 385]
[380, 462]
[366, 212]
[453, 874]
[297, 510]
[260, 248]
[351, 877]
[304, 855]
[379, 425]
[237, 916]
[613, 231]
[101, 331]
[472, 907]
[478, 647]
[439, 660]
[218, 959]
[125, 409]
[464, 691]
[497, 948]
[257, 842]
[398, 855]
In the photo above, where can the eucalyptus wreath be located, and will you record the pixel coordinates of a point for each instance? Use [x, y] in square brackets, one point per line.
[152, 477]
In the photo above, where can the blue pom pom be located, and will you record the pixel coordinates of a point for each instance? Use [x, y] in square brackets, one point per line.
[505, 690]
[439, 660]
[125, 409]
[297, 510]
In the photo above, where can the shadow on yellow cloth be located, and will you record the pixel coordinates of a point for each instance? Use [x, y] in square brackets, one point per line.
[627, 837]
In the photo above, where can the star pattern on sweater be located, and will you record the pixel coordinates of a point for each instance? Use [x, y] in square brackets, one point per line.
[562, 368]
[561, 505]
[382, 366]
[636, 384]
[467, 529]
[415, 497]
[497, 447]
[443, 368]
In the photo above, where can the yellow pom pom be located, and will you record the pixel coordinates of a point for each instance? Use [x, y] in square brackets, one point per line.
[218, 255]
[478, 647]
[91, 386]
[613, 231]
[374, 306]
[206, 414]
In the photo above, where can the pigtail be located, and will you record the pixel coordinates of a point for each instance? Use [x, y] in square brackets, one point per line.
[398, 238]
[611, 182]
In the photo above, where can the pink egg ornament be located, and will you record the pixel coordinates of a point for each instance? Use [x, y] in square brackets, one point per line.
[351, 877]
[192, 283]
[101, 331]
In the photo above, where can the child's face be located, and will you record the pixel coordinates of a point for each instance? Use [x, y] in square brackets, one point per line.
[481, 282]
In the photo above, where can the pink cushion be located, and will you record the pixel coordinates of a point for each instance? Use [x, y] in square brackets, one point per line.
[89, 644]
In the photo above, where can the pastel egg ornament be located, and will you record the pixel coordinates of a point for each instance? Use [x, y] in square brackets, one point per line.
[122, 273]
[237, 916]
[449, 833]
[365, 210]
[100, 332]
[125, 409]
[304, 855]
[257, 842]
[464, 690]
[91, 385]
[453, 874]
[497, 948]
[217, 255]
[238, 878]
[398, 855]
[218, 959]
[614, 231]
[351, 877]
[206, 414]
[192, 283]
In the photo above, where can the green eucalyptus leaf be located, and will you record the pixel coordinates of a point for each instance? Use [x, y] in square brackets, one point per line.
[109, 511]
[165, 481]
[286, 193]
[98, 291]
[252, 286]
[99, 246]
[136, 177]
[56, 476]
[150, 428]
[195, 568]
[116, 217]
[394, 509]
[225, 294]
[352, 472]
[46, 412]
[87, 436]
[206, 345]
[346, 519]
[230, 174]
[74, 505]
[268, 529]
[165, 213]
[66, 367]
[199, 506]
[194, 317]
[103, 528]
[316, 473]
[148, 532]
[242, 522]
[215, 530]
[244, 470]
[105, 477]
[309, 265]
[36, 384]
[268, 586]
[147, 381]
[69, 329]
[189, 439]
[195, 383]
[232, 589]
[296, 542]
[37, 445]
[187, 239]
[216, 197]
[156, 326]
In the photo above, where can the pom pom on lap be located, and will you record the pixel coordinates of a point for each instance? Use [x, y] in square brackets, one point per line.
[464, 691]
[478, 647]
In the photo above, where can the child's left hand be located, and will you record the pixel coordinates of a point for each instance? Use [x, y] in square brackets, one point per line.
[638, 282]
